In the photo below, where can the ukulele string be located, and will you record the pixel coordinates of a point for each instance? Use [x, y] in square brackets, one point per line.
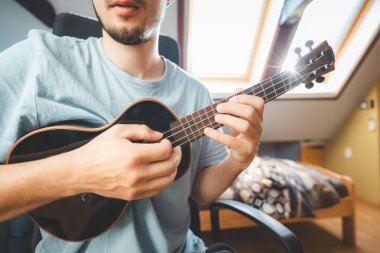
[226, 99]
[200, 115]
[212, 121]
[218, 125]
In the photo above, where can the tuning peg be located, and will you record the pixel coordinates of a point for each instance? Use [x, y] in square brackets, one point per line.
[325, 67]
[298, 51]
[309, 44]
[320, 79]
[309, 85]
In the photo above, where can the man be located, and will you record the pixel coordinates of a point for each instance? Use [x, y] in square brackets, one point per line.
[46, 80]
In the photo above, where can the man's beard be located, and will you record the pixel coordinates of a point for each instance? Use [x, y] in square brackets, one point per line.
[138, 36]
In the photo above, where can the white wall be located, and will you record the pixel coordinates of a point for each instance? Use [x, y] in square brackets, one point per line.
[83, 7]
[170, 25]
[16, 21]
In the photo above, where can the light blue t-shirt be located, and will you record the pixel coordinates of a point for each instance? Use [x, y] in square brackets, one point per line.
[47, 80]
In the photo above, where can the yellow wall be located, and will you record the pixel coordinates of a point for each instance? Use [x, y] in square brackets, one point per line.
[363, 167]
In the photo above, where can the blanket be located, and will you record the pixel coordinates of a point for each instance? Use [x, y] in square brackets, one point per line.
[283, 188]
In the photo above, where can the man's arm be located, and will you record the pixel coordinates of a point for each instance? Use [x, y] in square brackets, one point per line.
[26, 186]
[244, 115]
[110, 165]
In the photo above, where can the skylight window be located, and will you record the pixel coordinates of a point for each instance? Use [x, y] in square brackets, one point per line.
[337, 22]
[223, 35]
[229, 42]
[329, 26]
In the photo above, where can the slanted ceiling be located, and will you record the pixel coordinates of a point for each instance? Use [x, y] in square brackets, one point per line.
[321, 119]
[314, 119]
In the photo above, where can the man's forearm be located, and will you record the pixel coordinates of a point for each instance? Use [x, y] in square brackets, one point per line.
[212, 181]
[26, 186]
[100, 166]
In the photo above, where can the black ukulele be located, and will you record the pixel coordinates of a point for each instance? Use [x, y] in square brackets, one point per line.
[85, 216]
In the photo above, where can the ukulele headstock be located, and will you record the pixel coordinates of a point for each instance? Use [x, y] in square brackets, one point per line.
[315, 63]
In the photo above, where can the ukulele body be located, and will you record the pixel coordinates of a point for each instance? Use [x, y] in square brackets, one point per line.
[85, 216]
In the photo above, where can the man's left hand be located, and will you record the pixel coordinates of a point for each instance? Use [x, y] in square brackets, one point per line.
[243, 114]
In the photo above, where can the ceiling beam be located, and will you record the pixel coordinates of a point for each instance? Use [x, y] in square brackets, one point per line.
[290, 18]
[292, 11]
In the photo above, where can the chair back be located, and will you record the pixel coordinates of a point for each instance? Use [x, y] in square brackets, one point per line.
[74, 25]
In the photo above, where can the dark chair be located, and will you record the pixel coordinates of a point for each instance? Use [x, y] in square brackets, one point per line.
[66, 24]
[16, 235]
[82, 27]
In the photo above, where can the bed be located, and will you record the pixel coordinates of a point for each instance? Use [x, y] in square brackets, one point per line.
[295, 192]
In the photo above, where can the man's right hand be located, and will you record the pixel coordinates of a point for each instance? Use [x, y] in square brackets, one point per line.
[112, 165]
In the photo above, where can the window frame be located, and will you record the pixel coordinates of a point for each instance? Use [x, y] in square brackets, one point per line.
[222, 86]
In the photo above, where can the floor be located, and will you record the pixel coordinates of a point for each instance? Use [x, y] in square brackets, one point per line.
[316, 237]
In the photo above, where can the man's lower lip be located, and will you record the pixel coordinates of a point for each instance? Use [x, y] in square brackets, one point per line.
[124, 11]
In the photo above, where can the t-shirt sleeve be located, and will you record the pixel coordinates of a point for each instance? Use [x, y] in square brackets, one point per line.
[211, 151]
[17, 93]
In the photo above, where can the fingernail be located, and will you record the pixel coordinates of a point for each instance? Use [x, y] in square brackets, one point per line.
[157, 133]
[217, 117]
[233, 99]
[220, 107]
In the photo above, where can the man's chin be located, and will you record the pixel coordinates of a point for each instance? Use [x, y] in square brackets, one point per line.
[126, 36]
[124, 24]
